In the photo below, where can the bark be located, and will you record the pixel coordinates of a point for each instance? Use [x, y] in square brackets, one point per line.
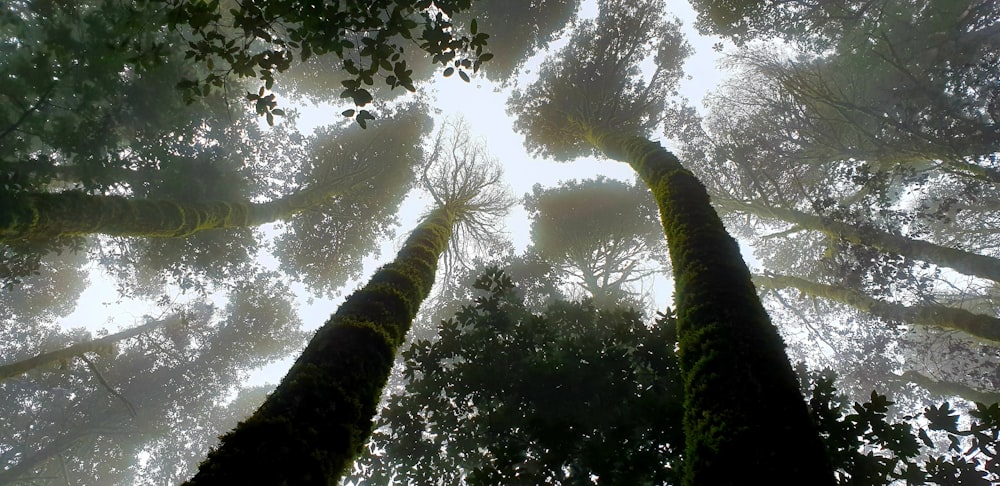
[743, 407]
[79, 349]
[960, 260]
[319, 418]
[42, 216]
[978, 325]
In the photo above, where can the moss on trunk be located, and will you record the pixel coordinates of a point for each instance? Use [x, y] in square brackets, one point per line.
[40, 216]
[745, 418]
[310, 429]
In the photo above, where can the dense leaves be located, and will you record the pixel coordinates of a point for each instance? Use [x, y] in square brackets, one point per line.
[603, 234]
[509, 395]
[869, 448]
[597, 81]
[259, 39]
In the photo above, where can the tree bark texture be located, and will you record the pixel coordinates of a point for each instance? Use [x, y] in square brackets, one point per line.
[745, 418]
[41, 216]
[310, 429]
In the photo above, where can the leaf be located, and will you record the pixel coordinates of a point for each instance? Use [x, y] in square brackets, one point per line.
[926, 439]
[449, 72]
[474, 27]
[362, 97]
[465, 77]
[348, 112]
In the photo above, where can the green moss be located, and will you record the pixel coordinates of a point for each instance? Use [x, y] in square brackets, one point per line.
[743, 407]
[36, 216]
[310, 429]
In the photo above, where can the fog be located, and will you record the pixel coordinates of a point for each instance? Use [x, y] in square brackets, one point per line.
[571, 242]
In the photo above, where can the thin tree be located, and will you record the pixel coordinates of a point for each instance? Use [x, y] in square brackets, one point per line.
[743, 405]
[318, 419]
[963, 261]
[935, 315]
[102, 345]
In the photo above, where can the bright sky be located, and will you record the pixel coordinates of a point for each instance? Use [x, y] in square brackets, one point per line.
[483, 108]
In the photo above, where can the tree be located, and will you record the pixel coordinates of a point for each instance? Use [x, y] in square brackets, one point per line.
[157, 393]
[742, 402]
[960, 260]
[575, 381]
[978, 325]
[517, 33]
[601, 232]
[103, 345]
[314, 424]
[30, 216]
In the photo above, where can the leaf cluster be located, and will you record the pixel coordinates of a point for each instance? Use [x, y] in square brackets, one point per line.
[868, 448]
[262, 38]
[509, 395]
[597, 80]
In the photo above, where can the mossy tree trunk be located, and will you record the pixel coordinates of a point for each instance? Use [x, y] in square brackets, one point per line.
[745, 418]
[978, 325]
[963, 261]
[320, 416]
[40, 216]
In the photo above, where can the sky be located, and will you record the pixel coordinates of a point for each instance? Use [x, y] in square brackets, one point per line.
[483, 107]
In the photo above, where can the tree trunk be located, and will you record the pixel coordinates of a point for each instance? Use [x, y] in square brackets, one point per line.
[78, 349]
[948, 389]
[978, 325]
[960, 260]
[320, 416]
[39, 216]
[745, 417]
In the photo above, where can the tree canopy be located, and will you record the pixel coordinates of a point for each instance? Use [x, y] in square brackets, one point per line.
[200, 197]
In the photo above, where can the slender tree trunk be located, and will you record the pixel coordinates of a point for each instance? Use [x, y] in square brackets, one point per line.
[35, 216]
[978, 325]
[78, 349]
[745, 417]
[320, 416]
[963, 261]
[38, 457]
[948, 389]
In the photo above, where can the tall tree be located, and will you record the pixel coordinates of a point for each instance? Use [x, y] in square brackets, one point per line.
[157, 394]
[743, 405]
[978, 325]
[314, 424]
[324, 246]
[510, 395]
[602, 232]
[963, 261]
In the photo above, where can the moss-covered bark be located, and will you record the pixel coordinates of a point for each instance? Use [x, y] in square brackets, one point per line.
[745, 418]
[963, 261]
[38, 216]
[978, 325]
[320, 416]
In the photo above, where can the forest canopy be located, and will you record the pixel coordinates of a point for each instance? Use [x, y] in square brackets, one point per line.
[472, 242]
